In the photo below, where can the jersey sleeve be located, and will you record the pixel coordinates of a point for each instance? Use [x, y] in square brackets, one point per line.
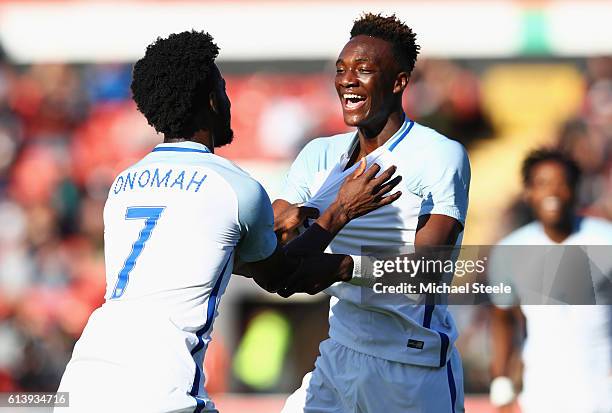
[256, 222]
[446, 183]
[296, 185]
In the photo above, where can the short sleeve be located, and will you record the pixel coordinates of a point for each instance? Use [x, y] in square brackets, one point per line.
[296, 186]
[446, 182]
[256, 221]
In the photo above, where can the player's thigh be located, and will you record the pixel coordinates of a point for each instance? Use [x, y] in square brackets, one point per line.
[314, 396]
[91, 388]
[95, 387]
[322, 390]
[389, 387]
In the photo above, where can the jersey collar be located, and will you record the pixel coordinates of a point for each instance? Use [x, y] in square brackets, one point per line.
[401, 133]
[391, 143]
[185, 146]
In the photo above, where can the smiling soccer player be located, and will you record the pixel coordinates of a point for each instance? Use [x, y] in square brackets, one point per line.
[575, 338]
[384, 354]
[175, 224]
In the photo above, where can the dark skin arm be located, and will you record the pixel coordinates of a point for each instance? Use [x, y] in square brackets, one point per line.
[361, 193]
[431, 230]
[504, 325]
[437, 229]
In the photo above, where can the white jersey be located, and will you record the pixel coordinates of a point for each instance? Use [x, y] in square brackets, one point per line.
[173, 224]
[436, 176]
[567, 353]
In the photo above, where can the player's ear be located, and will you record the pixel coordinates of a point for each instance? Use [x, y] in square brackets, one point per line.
[213, 102]
[401, 82]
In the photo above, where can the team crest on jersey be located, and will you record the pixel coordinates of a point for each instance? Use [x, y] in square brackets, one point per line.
[418, 344]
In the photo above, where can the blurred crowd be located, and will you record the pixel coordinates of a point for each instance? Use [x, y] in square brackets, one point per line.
[66, 130]
[587, 139]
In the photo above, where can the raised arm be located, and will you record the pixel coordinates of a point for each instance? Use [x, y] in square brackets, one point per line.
[445, 188]
[361, 193]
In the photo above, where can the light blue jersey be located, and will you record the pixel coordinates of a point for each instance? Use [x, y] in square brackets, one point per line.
[567, 355]
[436, 177]
[173, 224]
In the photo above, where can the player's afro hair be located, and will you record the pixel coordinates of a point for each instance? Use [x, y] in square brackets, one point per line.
[572, 171]
[171, 82]
[394, 31]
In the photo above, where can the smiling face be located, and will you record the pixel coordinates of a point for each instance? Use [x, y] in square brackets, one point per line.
[549, 193]
[369, 81]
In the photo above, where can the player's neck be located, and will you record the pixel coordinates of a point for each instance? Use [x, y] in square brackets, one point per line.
[371, 138]
[202, 136]
[374, 136]
[561, 230]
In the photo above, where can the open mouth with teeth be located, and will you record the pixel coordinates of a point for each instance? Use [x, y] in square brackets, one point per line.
[352, 101]
[551, 204]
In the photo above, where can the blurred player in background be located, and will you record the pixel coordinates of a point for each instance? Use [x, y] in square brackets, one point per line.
[394, 355]
[568, 349]
[175, 223]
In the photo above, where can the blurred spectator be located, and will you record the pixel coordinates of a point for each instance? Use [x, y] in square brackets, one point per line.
[587, 139]
[50, 101]
[447, 98]
[108, 83]
[589, 147]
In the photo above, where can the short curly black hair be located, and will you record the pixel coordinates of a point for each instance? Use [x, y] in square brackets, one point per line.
[171, 83]
[572, 171]
[394, 31]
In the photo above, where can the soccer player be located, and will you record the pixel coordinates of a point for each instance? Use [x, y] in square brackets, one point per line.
[175, 223]
[385, 353]
[567, 352]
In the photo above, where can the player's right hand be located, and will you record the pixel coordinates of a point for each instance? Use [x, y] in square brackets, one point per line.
[362, 192]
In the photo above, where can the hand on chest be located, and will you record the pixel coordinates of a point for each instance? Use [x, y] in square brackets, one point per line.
[402, 214]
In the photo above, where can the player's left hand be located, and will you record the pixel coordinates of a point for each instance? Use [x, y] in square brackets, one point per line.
[363, 192]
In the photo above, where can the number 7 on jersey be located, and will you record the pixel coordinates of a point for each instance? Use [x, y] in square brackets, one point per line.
[150, 215]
